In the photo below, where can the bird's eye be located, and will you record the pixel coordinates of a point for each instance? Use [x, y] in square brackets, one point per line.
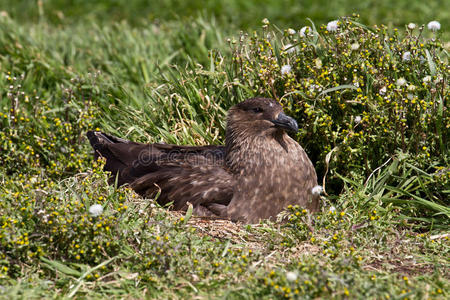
[257, 109]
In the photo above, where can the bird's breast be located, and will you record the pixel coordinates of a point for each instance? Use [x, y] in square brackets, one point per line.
[272, 175]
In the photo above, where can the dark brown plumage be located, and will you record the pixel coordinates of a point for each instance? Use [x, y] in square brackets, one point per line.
[258, 172]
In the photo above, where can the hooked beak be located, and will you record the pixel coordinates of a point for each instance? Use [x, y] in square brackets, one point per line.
[285, 122]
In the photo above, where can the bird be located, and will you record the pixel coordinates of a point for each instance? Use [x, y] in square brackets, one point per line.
[257, 173]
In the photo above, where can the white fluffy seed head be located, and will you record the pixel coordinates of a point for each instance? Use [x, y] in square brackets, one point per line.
[354, 46]
[317, 190]
[401, 81]
[96, 210]
[406, 56]
[285, 69]
[289, 48]
[332, 26]
[304, 31]
[291, 276]
[434, 26]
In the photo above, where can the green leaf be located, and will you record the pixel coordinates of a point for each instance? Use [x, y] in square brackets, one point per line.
[431, 64]
[60, 267]
[337, 88]
[188, 214]
[429, 204]
[80, 279]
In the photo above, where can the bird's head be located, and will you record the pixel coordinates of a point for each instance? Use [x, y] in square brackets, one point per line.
[259, 115]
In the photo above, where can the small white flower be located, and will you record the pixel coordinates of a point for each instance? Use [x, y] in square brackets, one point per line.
[409, 96]
[401, 81]
[434, 26]
[317, 190]
[289, 49]
[357, 119]
[318, 63]
[265, 21]
[332, 209]
[96, 210]
[332, 26]
[383, 90]
[291, 276]
[285, 69]
[354, 46]
[291, 31]
[411, 26]
[411, 87]
[305, 31]
[427, 78]
[406, 56]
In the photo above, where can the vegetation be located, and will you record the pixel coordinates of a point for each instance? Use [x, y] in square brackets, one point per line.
[240, 14]
[371, 101]
[364, 97]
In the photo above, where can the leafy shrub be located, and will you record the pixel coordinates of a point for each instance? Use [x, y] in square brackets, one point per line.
[42, 218]
[39, 131]
[359, 93]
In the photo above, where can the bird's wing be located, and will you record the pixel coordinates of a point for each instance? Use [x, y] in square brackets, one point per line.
[198, 182]
[132, 160]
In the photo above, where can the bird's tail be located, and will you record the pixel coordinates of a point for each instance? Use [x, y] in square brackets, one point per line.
[97, 137]
[112, 149]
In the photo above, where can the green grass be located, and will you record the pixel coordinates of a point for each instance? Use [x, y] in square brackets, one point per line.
[286, 13]
[383, 229]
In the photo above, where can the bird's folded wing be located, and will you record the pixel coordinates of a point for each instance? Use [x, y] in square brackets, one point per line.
[198, 182]
[129, 152]
[130, 160]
